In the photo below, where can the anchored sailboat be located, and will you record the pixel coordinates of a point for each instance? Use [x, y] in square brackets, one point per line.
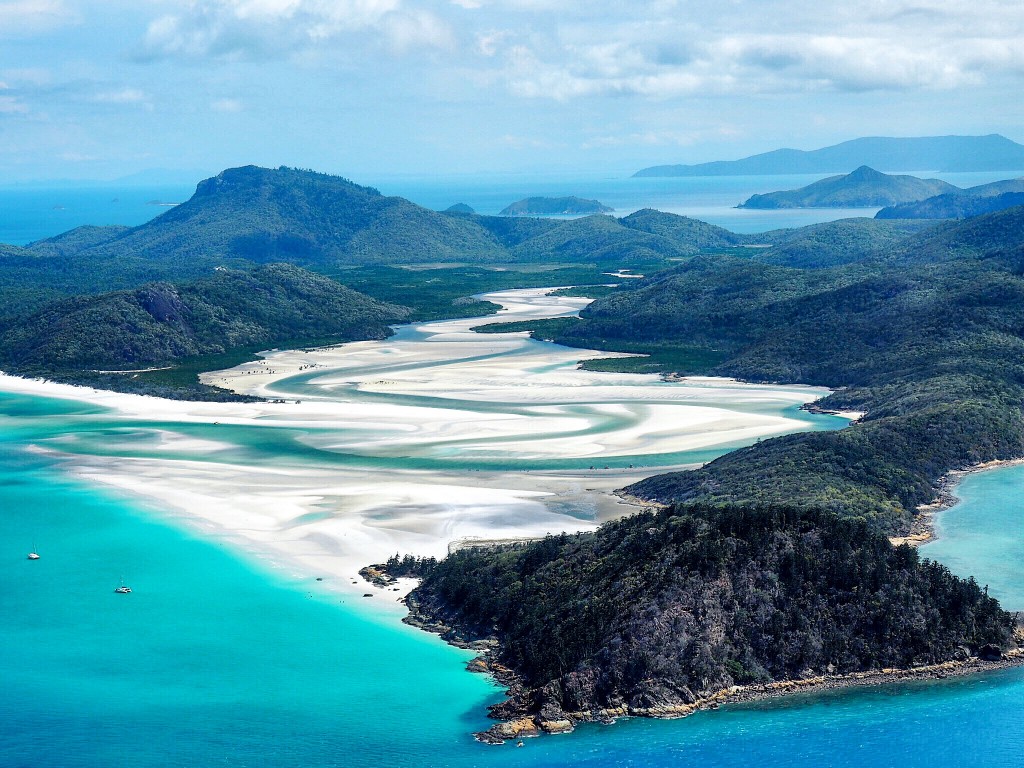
[123, 590]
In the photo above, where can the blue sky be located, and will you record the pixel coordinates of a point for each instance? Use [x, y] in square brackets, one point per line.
[372, 88]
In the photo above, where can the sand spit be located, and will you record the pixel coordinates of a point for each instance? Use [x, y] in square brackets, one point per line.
[404, 445]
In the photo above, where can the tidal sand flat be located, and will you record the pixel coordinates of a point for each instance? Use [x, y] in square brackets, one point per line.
[191, 668]
[436, 435]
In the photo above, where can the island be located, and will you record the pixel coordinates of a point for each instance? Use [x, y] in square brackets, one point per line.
[863, 188]
[554, 206]
[946, 154]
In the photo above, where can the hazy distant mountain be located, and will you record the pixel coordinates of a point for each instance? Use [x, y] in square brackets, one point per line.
[929, 153]
[459, 208]
[961, 204]
[864, 188]
[554, 206]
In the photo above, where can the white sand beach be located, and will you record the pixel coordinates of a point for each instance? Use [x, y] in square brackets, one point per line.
[405, 445]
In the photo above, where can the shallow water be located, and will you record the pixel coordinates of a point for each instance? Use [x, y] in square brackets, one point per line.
[221, 655]
[983, 535]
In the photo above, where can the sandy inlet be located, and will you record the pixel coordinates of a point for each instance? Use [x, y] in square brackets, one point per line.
[436, 435]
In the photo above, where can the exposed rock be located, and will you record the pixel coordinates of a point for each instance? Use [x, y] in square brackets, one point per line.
[990, 653]
[376, 574]
[556, 726]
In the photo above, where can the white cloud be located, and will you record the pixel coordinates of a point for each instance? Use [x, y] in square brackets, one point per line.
[260, 29]
[9, 105]
[227, 106]
[418, 29]
[666, 49]
[19, 17]
[121, 96]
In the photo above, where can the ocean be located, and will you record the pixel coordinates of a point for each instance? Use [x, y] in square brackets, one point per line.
[30, 213]
[218, 658]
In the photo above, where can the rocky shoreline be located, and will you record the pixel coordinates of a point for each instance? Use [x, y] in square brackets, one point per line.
[527, 712]
[522, 724]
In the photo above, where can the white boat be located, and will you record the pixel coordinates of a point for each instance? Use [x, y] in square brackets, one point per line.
[33, 555]
[123, 590]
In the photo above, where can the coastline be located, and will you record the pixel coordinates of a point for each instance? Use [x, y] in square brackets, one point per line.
[520, 717]
[200, 464]
[531, 726]
[922, 529]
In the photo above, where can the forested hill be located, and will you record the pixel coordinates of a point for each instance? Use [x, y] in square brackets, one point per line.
[772, 562]
[656, 611]
[284, 214]
[160, 323]
[248, 216]
[863, 188]
[961, 204]
[929, 340]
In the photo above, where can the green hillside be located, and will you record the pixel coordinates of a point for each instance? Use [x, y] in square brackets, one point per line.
[771, 562]
[962, 204]
[554, 206]
[161, 323]
[657, 610]
[864, 188]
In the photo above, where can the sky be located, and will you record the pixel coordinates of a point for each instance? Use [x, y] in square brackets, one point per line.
[377, 88]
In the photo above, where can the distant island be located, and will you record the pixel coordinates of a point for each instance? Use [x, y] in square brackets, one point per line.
[864, 188]
[961, 203]
[929, 153]
[555, 206]
[459, 208]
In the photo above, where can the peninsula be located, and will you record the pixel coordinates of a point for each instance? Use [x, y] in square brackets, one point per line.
[961, 203]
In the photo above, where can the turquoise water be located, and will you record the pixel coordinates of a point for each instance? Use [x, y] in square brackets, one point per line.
[983, 535]
[215, 660]
[33, 213]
